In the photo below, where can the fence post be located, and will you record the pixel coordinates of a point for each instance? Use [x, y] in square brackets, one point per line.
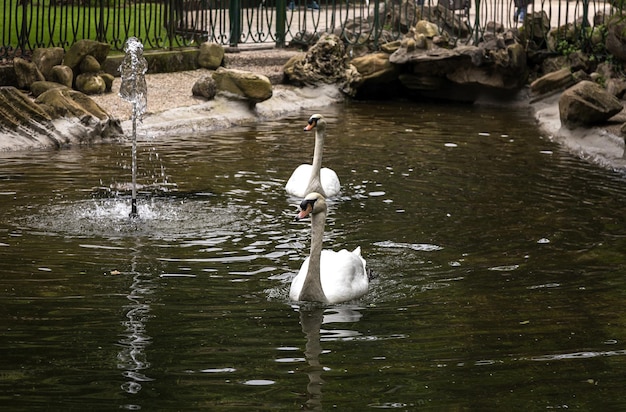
[23, 32]
[101, 28]
[235, 22]
[170, 22]
[281, 17]
[377, 24]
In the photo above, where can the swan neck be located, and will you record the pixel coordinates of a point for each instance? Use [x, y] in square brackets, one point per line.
[312, 288]
[315, 184]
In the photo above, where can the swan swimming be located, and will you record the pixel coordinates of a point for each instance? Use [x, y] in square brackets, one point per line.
[313, 177]
[327, 276]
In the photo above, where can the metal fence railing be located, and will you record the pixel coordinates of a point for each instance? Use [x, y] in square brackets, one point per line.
[168, 24]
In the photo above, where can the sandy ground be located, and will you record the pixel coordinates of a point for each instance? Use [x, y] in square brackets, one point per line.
[173, 90]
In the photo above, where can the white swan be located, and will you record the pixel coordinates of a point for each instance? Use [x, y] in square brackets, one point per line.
[313, 178]
[327, 276]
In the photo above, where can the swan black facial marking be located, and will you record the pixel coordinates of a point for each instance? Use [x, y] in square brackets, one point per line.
[306, 202]
[306, 208]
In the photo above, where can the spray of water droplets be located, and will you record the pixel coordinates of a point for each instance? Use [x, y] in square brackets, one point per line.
[133, 69]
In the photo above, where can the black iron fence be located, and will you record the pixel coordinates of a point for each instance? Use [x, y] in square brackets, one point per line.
[168, 24]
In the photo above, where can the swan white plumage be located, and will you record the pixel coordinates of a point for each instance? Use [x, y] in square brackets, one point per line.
[314, 178]
[325, 275]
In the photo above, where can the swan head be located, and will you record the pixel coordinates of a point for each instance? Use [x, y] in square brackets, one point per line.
[316, 120]
[313, 203]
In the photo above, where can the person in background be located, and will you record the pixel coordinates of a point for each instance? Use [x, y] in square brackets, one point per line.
[312, 5]
[521, 10]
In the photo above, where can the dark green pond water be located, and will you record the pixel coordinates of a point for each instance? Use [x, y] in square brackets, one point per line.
[499, 261]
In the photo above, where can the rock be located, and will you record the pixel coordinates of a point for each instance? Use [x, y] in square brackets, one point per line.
[451, 22]
[17, 109]
[587, 104]
[211, 55]
[616, 37]
[428, 29]
[46, 58]
[616, 87]
[205, 87]
[376, 68]
[503, 67]
[607, 70]
[536, 28]
[62, 75]
[399, 13]
[89, 64]
[552, 82]
[75, 55]
[578, 61]
[108, 81]
[63, 102]
[27, 124]
[422, 83]
[553, 64]
[90, 83]
[26, 73]
[243, 84]
[325, 62]
[23, 124]
[38, 88]
[390, 47]
[495, 66]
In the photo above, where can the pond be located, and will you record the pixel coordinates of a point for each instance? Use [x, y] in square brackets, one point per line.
[498, 264]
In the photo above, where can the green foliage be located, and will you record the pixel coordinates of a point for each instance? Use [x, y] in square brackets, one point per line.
[589, 40]
[565, 48]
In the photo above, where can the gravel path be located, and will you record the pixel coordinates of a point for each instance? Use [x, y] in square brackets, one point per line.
[173, 90]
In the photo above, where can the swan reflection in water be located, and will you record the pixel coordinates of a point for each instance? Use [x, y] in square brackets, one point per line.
[312, 317]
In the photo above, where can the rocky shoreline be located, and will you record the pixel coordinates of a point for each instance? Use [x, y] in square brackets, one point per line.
[173, 109]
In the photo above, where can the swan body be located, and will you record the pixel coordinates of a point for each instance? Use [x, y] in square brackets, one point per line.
[327, 276]
[309, 178]
[328, 180]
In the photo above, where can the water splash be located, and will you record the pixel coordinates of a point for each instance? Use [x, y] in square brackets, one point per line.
[134, 89]
[133, 69]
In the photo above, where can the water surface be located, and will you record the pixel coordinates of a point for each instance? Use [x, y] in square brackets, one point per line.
[498, 262]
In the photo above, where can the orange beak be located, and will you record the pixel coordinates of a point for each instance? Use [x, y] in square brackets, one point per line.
[305, 212]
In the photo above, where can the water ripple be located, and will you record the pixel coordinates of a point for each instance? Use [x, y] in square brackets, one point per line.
[422, 247]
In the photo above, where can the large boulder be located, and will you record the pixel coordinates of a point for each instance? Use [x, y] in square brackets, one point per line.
[90, 83]
[89, 64]
[75, 55]
[210, 55]
[379, 76]
[243, 84]
[38, 88]
[45, 58]
[26, 72]
[497, 66]
[58, 117]
[552, 82]
[64, 102]
[325, 62]
[376, 68]
[62, 74]
[587, 104]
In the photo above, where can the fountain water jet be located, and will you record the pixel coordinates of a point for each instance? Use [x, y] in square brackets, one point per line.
[134, 89]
